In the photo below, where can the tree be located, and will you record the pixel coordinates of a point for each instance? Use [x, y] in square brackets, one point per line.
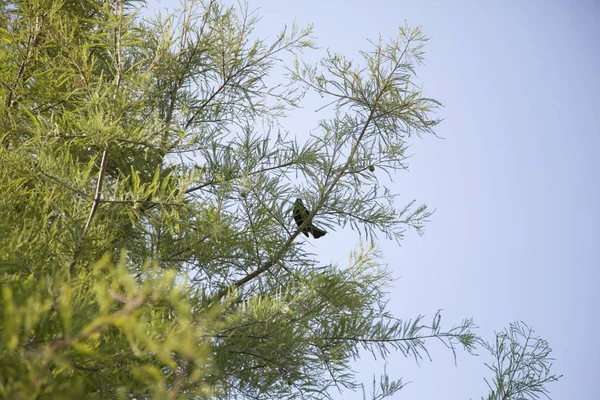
[147, 243]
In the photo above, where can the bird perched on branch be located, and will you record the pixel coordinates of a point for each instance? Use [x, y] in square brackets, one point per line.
[300, 215]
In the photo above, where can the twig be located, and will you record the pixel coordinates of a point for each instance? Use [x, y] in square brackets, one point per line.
[95, 204]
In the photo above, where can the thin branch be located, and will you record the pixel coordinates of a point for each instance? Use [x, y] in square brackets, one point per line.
[97, 198]
[98, 194]
[214, 182]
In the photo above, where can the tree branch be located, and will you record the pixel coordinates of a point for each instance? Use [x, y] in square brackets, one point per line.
[97, 198]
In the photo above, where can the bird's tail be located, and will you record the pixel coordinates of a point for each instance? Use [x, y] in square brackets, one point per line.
[316, 232]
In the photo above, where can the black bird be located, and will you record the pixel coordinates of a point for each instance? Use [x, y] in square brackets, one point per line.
[301, 215]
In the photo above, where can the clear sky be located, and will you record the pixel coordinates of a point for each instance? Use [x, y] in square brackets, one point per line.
[515, 179]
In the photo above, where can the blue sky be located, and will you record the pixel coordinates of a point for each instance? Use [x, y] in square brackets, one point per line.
[515, 179]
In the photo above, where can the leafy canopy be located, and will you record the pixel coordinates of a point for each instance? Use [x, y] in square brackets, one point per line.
[147, 246]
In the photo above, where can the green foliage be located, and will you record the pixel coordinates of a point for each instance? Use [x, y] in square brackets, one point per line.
[147, 247]
[101, 334]
[521, 364]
